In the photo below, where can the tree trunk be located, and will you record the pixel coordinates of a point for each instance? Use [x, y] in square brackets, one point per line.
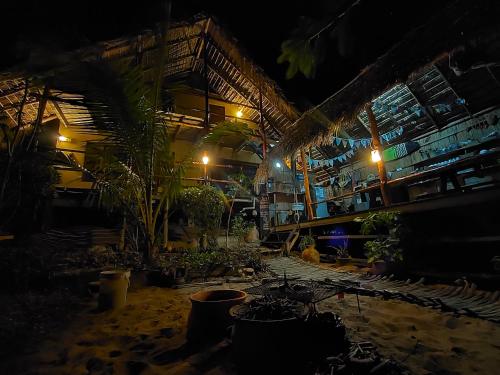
[229, 221]
[165, 225]
[123, 231]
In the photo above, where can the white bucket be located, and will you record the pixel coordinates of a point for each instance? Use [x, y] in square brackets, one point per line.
[113, 289]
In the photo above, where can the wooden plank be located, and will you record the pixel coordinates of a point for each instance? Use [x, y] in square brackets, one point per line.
[349, 236]
[455, 200]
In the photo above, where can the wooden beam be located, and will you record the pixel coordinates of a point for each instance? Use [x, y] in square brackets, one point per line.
[426, 112]
[432, 204]
[60, 114]
[310, 214]
[205, 76]
[380, 164]
[176, 132]
[262, 127]
[445, 80]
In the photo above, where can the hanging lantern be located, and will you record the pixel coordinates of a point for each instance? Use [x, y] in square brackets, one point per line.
[376, 156]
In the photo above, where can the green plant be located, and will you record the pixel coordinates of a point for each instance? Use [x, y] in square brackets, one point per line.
[389, 229]
[240, 228]
[306, 241]
[205, 206]
[342, 251]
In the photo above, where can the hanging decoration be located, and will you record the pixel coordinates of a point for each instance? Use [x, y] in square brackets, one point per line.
[387, 137]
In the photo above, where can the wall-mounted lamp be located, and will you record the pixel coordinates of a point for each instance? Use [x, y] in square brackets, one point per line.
[205, 159]
[239, 114]
[376, 156]
[62, 138]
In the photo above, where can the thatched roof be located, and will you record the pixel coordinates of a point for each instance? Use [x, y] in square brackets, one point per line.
[232, 75]
[464, 26]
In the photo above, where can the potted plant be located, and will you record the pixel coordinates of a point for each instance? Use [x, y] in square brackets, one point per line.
[385, 250]
[307, 247]
[343, 256]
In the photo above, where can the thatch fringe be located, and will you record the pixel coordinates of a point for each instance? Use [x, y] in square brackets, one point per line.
[463, 25]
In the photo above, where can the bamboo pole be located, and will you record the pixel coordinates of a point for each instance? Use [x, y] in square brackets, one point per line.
[310, 214]
[380, 164]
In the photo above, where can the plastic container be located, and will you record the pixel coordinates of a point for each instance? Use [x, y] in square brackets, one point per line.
[113, 289]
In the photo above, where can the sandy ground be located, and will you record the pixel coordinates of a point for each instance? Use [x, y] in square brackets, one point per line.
[142, 337]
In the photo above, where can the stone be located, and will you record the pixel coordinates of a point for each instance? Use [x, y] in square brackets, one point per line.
[136, 367]
[167, 332]
[95, 364]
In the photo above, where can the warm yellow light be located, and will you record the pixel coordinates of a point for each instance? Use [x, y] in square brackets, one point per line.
[62, 138]
[376, 156]
[239, 114]
[205, 159]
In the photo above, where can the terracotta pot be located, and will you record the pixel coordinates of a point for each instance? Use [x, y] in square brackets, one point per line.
[310, 254]
[252, 235]
[272, 346]
[379, 267]
[209, 317]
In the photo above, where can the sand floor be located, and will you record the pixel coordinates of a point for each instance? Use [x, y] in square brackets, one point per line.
[142, 337]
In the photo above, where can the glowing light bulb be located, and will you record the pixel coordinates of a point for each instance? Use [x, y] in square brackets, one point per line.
[204, 159]
[239, 114]
[376, 156]
[278, 164]
[62, 138]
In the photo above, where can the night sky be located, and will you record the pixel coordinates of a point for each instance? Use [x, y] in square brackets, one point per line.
[260, 26]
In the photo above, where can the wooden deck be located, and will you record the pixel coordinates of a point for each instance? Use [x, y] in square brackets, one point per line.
[430, 204]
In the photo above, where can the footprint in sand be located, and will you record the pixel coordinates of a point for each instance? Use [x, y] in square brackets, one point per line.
[167, 332]
[136, 367]
[143, 347]
[115, 353]
[452, 323]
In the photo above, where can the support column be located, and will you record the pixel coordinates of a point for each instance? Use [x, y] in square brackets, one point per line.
[205, 75]
[262, 130]
[380, 164]
[310, 214]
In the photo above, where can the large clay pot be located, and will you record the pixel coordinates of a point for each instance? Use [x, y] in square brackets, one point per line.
[379, 267]
[209, 317]
[310, 254]
[252, 235]
[268, 346]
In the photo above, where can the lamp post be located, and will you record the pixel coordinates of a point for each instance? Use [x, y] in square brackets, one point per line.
[205, 161]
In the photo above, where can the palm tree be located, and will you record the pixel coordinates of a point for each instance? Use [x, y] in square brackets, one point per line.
[136, 169]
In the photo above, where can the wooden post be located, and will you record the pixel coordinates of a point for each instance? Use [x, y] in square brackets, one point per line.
[262, 130]
[205, 75]
[310, 214]
[380, 164]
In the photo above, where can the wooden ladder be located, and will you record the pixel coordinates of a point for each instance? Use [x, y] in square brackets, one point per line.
[290, 241]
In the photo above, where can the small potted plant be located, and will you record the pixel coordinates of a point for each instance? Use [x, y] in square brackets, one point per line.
[307, 247]
[343, 256]
[385, 250]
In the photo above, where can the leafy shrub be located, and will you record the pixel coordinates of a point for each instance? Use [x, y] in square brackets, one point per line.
[240, 228]
[306, 241]
[389, 228]
[205, 206]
